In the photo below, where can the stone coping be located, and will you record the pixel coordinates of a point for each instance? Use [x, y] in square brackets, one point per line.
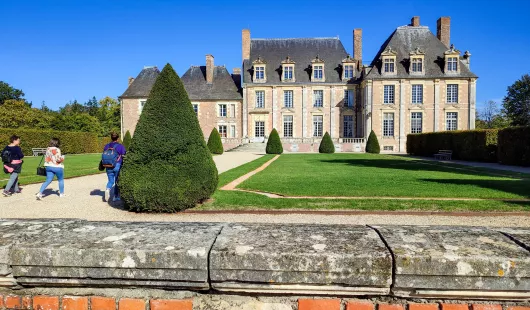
[340, 260]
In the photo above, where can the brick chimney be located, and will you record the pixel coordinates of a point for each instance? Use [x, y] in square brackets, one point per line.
[443, 30]
[131, 80]
[236, 71]
[209, 69]
[415, 21]
[246, 43]
[358, 46]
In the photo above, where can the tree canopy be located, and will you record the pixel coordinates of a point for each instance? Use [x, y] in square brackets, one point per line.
[516, 104]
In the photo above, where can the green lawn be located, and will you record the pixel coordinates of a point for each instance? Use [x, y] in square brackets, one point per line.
[74, 166]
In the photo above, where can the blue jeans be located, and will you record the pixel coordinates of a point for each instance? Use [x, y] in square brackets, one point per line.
[13, 180]
[113, 175]
[50, 172]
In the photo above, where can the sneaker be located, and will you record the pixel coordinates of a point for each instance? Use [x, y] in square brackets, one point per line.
[7, 194]
[116, 199]
[62, 195]
[107, 195]
[39, 196]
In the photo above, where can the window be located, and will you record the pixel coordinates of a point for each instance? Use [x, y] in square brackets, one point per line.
[260, 73]
[348, 98]
[388, 94]
[451, 121]
[417, 94]
[389, 65]
[416, 122]
[452, 93]
[318, 72]
[141, 105]
[232, 131]
[388, 125]
[260, 99]
[318, 98]
[288, 98]
[288, 73]
[287, 125]
[388, 148]
[452, 64]
[259, 127]
[348, 71]
[417, 65]
[222, 110]
[196, 109]
[222, 131]
[317, 125]
[348, 126]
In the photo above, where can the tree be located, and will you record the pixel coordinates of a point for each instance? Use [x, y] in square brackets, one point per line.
[17, 114]
[372, 145]
[490, 116]
[109, 115]
[127, 140]
[274, 144]
[92, 106]
[215, 145]
[168, 167]
[326, 145]
[516, 104]
[8, 92]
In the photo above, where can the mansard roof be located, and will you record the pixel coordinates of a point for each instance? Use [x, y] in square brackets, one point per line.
[407, 39]
[223, 87]
[141, 86]
[301, 51]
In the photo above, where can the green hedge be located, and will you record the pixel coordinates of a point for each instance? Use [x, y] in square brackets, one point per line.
[215, 145]
[71, 142]
[326, 145]
[274, 144]
[372, 145]
[514, 146]
[472, 145]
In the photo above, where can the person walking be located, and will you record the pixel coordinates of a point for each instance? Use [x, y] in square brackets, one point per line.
[54, 163]
[12, 158]
[112, 159]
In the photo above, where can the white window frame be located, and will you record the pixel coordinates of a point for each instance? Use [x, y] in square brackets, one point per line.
[318, 125]
[389, 92]
[452, 93]
[222, 131]
[223, 110]
[348, 71]
[288, 126]
[389, 65]
[388, 125]
[260, 73]
[288, 98]
[318, 98]
[288, 73]
[416, 93]
[260, 99]
[417, 65]
[347, 126]
[416, 122]
[259, 131]
[349, 99]
[232, 131]
[451, 121]
[318, 72]
[196, 108]
[141, 105]
[452, 64]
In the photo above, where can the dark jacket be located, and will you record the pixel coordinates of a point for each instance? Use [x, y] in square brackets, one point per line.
[16, 155]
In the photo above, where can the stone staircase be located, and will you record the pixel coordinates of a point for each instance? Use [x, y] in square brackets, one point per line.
[250, 148]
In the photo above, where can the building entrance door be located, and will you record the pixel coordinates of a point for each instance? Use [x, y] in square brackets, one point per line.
[259, 131]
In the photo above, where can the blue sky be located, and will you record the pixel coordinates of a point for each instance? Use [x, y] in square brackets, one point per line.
[61, 50]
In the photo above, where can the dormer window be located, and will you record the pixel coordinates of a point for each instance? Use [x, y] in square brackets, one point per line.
[417, 65]
[288, 70]
[348, 68]
[260, 75]
[452, 56]
[452, 64]
[348, 71]
[417, 58]
[389, 61]
[318, 70]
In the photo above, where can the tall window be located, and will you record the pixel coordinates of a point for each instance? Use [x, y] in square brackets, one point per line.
[417, 65]
[388, 125]
[451, 121]
[260, 99]
[232, 110]
[196, 109]
[141, 105]
[222, 110]
[318, 98]
[222, 131]
[389, 65]
[388, 94]
[288, 98]
[317, 125]
[260, 73]
[318, 72]
[259, 129]
[288, 73]
[287, 125]
[348, 126]
[452, 64]
[232, 131]
[348, 71]
[417, 94]
[416, 122]
[348, 98]
[452, 93]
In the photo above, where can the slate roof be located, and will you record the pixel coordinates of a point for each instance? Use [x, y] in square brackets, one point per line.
[406, 39]
[302, 51]
[142, 84]
[224, 85]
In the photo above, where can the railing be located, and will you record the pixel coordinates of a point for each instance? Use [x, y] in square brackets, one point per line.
[317, 140]
[352, 140]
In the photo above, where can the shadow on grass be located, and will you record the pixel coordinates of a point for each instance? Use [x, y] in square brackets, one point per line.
[517, 187]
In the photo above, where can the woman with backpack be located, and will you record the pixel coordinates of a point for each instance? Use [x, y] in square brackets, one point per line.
[53, 161]
[12, 158]
[112, 159]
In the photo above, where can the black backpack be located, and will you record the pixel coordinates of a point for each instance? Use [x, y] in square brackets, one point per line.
[6, 156]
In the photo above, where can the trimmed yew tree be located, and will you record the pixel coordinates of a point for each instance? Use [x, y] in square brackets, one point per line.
[168, 167]
[214, 142]
[127, 140]
[274, 144]
[372, 145]
[326, 145]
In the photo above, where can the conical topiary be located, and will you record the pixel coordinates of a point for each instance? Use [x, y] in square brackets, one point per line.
[127, 140]
[372, 145]
[168, 166]
[214, 142]
[326, 145]
[274, 144]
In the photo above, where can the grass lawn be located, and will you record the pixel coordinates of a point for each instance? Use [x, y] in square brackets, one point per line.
[74, 166]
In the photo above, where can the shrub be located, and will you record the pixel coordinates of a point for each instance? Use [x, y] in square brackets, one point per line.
[175, 171]
[71, 142]
[514, 146]
[274, 144]
[372, 145]
[326, 145]
[214, 142]
[127, 140]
